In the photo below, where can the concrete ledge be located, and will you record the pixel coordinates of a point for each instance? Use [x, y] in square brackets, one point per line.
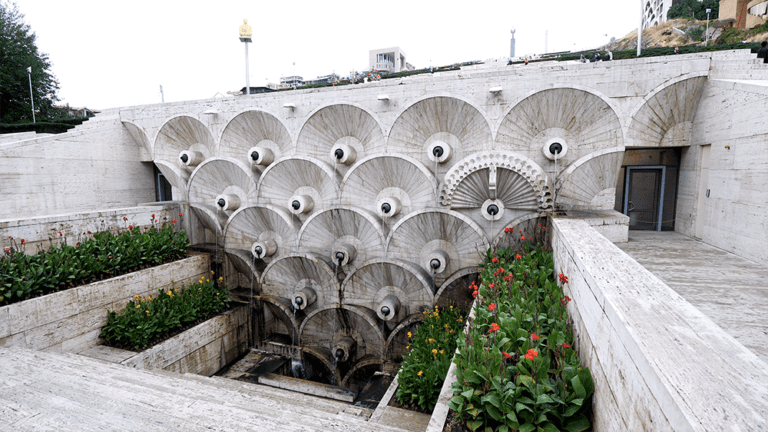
[202, 350]
[307, 387]
[657, 361]
[71, 320]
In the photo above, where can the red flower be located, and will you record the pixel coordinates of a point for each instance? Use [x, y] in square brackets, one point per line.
[125, 218]
[22, 241]
[509, 277]
[506, 356]
[10, 237]
[520, 231]
[522, 237]
[173, 221]
[491, 285]
[501, 270]
[474, 294]
[494, 327]
[544, 228]
[517, 257]
[153, 215]
[492, 307]
[534, 336]
[130, 226]
[565, 345]
[531, 354]
[60, 233]
[181, 214]
[563, 278]
[90, 232]
[495, 260]
[8, 250]
[509, 230]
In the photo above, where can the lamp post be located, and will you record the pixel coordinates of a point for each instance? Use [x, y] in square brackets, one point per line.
[706, 35]
[640, 30]
[245, 37]
[31, 97]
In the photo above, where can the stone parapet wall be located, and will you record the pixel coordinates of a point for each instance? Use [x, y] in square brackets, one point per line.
[71, 320]
[658, 363]
[201, 350]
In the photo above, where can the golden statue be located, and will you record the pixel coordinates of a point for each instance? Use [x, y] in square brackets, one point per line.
[245, 29]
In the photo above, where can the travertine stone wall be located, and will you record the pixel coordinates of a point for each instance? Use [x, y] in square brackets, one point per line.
[731, 118]
[89, 169]
[658, 363]
[71, 320]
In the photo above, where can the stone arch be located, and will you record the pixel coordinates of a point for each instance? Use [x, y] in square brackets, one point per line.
[454, 289]
[359, 323]
[254, 128]
[665, 116]
[515, 180]
[222, 176]
[326, 230]
[172, 173]
[343, 123]
[363, 362]
[181, 133]
[398, 339]
[210, 219]
[377, 177]
[281, 311]
[290, 273]
[582, 119]
[452, 120]
[299, 175]
[139, 136]
[255, 223]
[377, 278]
[524, 222]
[451, 234]
[590, 182]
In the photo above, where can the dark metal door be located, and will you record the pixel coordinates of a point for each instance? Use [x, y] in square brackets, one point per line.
[644, 198]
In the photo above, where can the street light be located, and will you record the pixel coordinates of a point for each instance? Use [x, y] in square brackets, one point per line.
[245, 37]
[31, 97]
[706, 35]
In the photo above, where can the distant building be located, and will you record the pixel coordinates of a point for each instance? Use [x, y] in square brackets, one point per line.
[743, 13]
[512, 45]
[655, 12]
[77, 111]
[389, 60]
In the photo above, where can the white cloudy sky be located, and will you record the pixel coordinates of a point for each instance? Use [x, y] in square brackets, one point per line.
[107, 53]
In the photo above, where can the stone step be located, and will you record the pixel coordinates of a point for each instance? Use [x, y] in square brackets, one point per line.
[50, 391]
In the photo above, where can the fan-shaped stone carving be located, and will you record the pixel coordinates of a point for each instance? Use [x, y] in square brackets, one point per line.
[173, 175]
[338, 227]
[458, 239]
[370, 283]
[259, 223]
[583, 120]
[590, 182]
[139, 136]
[344, 124]
[666, 118]
[516, 180]
[323, 328]
[182, 133]
[211, 219]
[220, 176]
[446, 119]
[378, 177]
[294, 176]
[289, 274]
[251, 129]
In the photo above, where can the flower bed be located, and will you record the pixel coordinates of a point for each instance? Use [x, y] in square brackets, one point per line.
[429, 356]
[100, 255]
[516, 368]
[149, 319]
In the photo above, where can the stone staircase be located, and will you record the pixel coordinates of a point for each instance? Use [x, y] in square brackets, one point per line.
[740, 65]
[68, 392]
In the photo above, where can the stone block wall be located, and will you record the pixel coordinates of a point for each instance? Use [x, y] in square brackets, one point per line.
[658, 363]
[71, 320]
[732, 119]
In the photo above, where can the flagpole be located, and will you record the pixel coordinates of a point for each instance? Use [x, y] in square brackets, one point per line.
[31, 97]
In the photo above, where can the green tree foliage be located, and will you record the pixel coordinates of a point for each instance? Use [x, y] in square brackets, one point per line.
[18, 51]
[694, 9]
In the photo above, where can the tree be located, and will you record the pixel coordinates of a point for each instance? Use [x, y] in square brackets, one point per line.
[694, 9]
[18, 51]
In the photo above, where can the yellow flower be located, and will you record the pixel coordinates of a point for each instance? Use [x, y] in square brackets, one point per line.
[432, 326]
[442, 352]
[150, 298]
[446, 326]
[431, 340]
[147, 312]
[451, 307]
[211, 271]
[434, 351]
[138, 306]
[420, 373]
[221, 278]
[425, 312]
[410, 335]
[407, 347]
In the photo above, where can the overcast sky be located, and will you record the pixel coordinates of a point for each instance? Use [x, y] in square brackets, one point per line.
[107, 53]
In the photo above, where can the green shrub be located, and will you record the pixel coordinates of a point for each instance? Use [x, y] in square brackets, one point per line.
[516, 368]
[426, 364]
[146, 320]
[102, 255]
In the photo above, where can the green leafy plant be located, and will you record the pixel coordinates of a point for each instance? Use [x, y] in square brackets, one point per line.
[100, 255]
[516, 367]
[145, 320]
[426, 364]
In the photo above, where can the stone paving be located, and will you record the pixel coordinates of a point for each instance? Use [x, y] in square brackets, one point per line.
[730, 290]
